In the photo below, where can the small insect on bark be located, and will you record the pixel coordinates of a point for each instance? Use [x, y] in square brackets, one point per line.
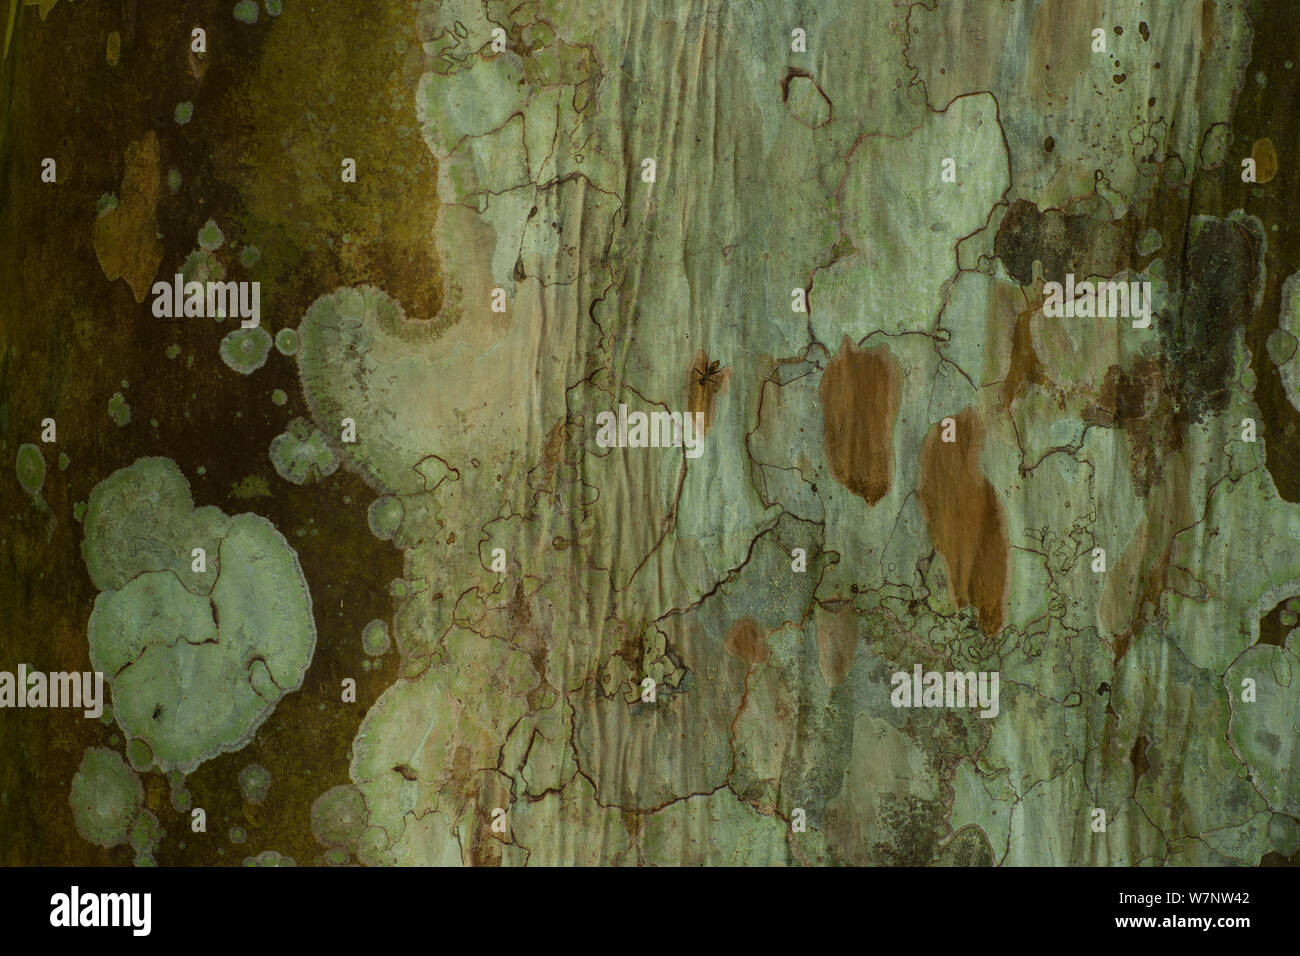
[706, 374]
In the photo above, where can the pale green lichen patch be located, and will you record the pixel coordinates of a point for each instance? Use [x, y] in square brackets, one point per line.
[254, 783]
[138, 755]
[199, 650]
[119, 410]
[106, 204]
[286, 341]
[375, 639]
[274, 7]
[31, 468]
[246, 11]
[147, 832]
[173, 351]
[245, 350]
[183, 114]
[302, 454]
[385, 517]
[1281, 344]
[1149, 242]
[211, 237]
[106, 798]
[249, 256]
[202, 266]
[278, 397]
[338, 817]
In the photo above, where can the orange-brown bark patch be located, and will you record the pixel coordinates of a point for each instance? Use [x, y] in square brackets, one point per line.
[966, 519]
[859, 393]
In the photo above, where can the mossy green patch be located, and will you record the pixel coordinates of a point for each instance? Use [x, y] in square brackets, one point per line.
[254, 486]
[211, 237]
[119, 410]
[31, 468]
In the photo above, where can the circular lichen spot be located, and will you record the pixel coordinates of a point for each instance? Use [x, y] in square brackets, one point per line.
[278, 397]
[173, 351]
[286, 341]
[301, 453]
[385, 517]
[184, 113]
[254, 782]
[238, 834]
[249, 256]
[31, 468]
[246, 11]
[274, 7]
[211, 237]
[106, 797]
[375, 639]
[119, 410]
[338, 816]
[245, 350]
[202, 266]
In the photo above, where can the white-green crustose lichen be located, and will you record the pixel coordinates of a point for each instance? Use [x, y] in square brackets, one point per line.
[254, 783]
[245, 350]
[302, 454]
[198, 647]
[106, 797]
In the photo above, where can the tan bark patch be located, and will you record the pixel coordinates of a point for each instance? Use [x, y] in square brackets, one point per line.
[126, 238]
